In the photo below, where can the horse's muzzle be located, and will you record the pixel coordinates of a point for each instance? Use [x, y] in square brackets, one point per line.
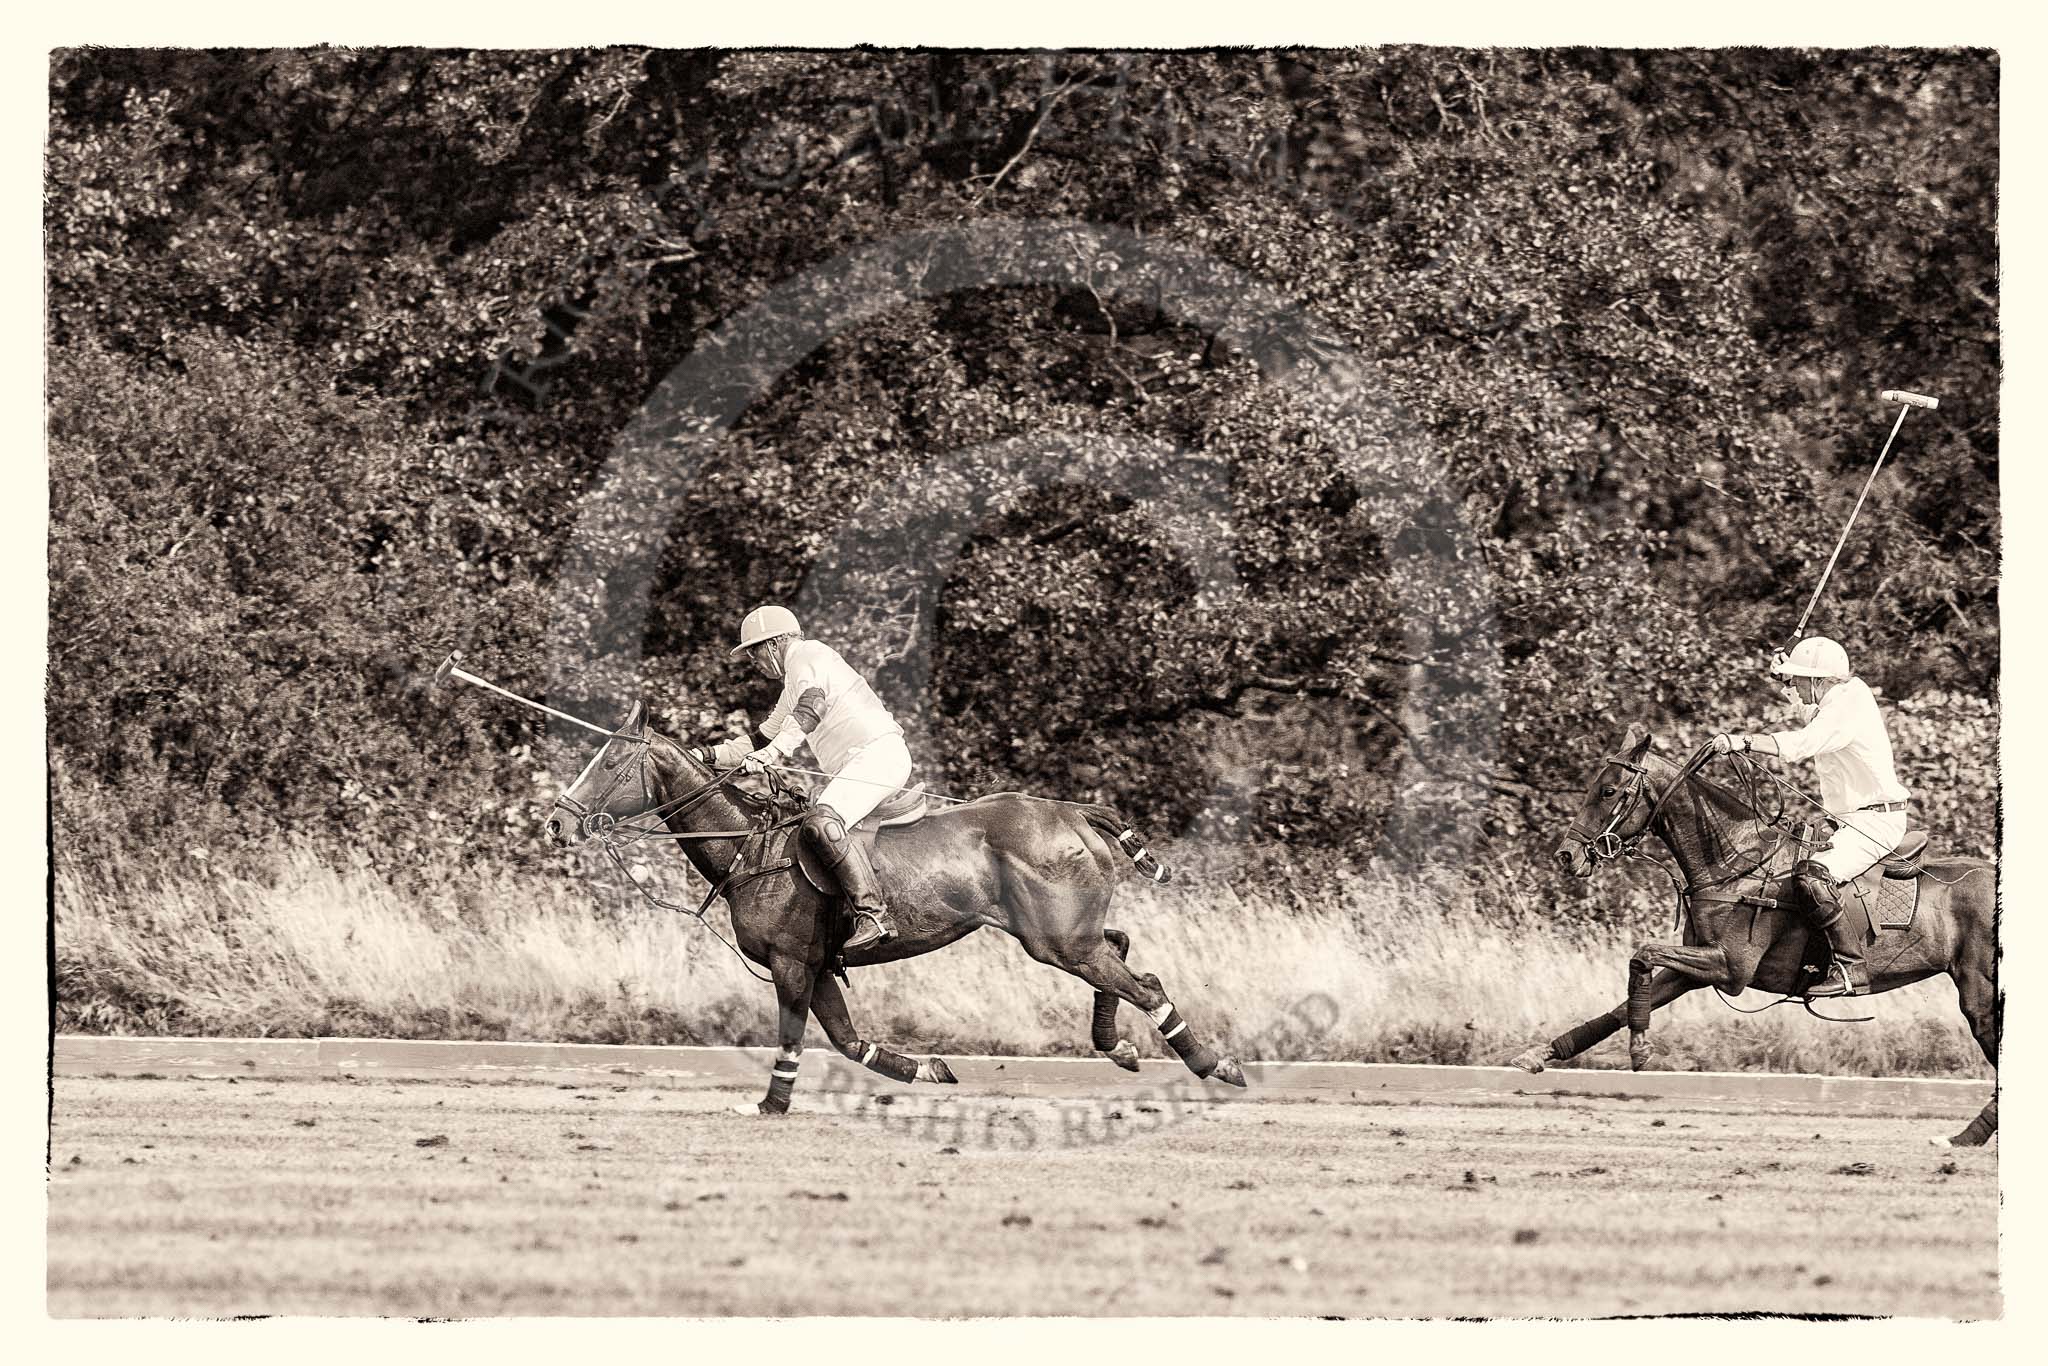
[1573, 859]
[557, 831]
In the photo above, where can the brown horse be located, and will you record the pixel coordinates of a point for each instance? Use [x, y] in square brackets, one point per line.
[1742, 926]
[1041, 870]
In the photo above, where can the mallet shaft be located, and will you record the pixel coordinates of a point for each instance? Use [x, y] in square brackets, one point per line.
[1909, 401]
[468, 677]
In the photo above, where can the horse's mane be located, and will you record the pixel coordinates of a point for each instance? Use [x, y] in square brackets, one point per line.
[741, 790]
[1691, 794]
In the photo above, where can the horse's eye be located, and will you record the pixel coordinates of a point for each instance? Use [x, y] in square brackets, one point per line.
[611, 761]
[1607, 791]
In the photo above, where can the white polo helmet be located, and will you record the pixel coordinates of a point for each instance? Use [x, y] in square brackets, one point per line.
[1814, 657]
[766, 623]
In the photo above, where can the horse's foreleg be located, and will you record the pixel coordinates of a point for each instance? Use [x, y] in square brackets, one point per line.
[1102, 1033]
[1666, 986]
[828, 1003]
[794, 981]
[1700, 963]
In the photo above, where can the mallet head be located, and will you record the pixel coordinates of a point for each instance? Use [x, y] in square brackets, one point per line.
[447, 668]
[1910, 400]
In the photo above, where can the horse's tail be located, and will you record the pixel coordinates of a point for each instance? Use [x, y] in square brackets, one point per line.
[1114, 827]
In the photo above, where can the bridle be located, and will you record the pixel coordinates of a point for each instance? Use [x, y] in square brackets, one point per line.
[595, 821]
[1608, 845]
[613, 835]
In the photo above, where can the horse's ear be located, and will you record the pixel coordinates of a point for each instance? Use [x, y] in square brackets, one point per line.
[636, 721]
[1637, 742]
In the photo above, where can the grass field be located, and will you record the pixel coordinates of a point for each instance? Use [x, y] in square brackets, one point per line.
[210, 1198]
[1419, 972]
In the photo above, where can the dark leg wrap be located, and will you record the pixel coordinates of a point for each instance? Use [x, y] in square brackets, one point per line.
[1103, 1031]
[1980, 1129]
[1579, 1038]
[1199, 1057]
[781, 1082]
[1639, 1008]
[888, 1062]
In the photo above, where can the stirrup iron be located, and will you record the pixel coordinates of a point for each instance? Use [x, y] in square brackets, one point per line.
[1837, 971]
[882, 931]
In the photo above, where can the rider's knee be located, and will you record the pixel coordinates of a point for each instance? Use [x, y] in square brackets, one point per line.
[1816, 880]
[825, 826]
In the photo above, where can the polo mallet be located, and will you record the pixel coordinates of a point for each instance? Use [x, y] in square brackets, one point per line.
[450, 668]
[1907, 403]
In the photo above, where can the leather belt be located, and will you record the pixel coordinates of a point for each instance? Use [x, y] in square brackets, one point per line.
[1885, 806]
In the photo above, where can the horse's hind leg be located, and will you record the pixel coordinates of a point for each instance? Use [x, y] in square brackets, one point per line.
[1666, 986]
[1102, 969]
[1977, 993]
[828, 1003]
[1103, 1034]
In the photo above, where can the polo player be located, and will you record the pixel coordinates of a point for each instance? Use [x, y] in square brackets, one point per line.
[827, 704]
[1845, 737]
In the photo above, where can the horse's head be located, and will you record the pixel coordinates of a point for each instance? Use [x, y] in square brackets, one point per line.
[1617, 807]
[614, 786]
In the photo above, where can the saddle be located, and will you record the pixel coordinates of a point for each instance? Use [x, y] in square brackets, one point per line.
[901, 809]
[1888, 894]
[1884, 898]
[1904, 861]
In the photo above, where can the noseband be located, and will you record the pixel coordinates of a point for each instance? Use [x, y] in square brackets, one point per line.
[594, 819]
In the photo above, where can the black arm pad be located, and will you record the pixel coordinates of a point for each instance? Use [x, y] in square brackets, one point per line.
[809, 710]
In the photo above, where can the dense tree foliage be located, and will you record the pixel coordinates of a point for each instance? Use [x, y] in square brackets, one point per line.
[1524, 394]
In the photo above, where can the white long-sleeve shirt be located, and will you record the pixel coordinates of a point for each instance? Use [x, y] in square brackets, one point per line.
[1850, 749]
[825, 701]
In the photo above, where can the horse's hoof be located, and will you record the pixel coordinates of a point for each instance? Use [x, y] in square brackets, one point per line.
[935, 1069]
[1227, 1070]
[1532, 1059]
[1124, 1055]
[1944, 1142]
[757, 1108]
[1638, 1057]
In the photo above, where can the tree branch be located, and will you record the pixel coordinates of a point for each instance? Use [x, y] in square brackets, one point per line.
[1044, 112]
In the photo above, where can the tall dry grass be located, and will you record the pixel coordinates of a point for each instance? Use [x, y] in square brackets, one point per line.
[1417, 970]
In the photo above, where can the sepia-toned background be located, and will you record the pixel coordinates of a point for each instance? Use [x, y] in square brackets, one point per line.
[339, 344]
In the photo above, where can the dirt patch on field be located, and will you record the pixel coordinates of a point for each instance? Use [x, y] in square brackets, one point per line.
[214, 1198]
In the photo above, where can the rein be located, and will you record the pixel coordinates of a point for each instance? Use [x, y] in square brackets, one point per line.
[734, 878]
[1608, 845]
[614, 836]
[594, 820]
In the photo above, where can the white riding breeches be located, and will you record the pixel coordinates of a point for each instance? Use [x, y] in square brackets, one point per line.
[1865, 837]
[870, 776]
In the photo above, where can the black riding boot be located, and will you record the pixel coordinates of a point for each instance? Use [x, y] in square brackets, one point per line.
[1848, 976]
[857, 879]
